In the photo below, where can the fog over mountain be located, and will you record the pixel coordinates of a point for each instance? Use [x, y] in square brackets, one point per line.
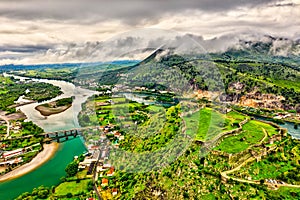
[34, 31]
[138, 47]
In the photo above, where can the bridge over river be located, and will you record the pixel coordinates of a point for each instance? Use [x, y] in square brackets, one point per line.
[58, 135]
[66, 134]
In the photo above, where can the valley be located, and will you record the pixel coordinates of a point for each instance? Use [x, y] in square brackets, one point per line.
[184, 135]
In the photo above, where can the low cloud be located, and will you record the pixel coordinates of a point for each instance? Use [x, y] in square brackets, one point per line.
[138, 47]
[129, 11]
[34, 31]
[25, 48]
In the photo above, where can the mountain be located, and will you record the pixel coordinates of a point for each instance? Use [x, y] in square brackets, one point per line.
[275, 46]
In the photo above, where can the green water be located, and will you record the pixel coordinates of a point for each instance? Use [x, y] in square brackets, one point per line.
[48, 174]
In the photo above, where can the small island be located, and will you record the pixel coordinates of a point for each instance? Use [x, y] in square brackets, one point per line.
[55, 107]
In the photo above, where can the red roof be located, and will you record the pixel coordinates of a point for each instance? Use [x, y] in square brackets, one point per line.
[117, 134]
[94, 147]
[104, 181]
[111, 170]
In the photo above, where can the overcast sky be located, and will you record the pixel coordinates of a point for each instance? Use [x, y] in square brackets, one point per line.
[40, 31]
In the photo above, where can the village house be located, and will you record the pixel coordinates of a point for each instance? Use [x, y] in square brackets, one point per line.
[103, 136]
[111, 171]
[122, 137]
[106, 165]
[117, 145]
[13, 161]
[122, 117]
[117, 134]
[104, 182]
[114, 191]
[10, 154]
[93, 148]
[86, 163]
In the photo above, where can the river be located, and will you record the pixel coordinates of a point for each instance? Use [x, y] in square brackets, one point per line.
[295, 133]
[50, 173]
[62, 121]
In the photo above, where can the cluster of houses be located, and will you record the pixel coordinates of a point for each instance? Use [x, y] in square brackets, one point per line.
[105, 173]
[289, 116]
[10, 154]
[125, 88]
[15, 161]
[282, 116]
[87, 82]
[16, 127]
[15, 156]
[97, 159]
[100, 166]
[116, 134]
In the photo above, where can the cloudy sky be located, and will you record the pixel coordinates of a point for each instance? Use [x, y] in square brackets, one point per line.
[44, 31]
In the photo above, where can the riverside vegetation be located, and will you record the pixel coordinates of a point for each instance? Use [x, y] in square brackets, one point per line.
[246, 158]
[22, 136]
[55, 107]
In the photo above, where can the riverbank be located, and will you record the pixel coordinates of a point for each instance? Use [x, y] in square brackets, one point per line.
[55, 107]
[47, 153]
[47, 111]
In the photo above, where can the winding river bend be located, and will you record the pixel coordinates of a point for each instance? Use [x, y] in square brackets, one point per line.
[50, 173]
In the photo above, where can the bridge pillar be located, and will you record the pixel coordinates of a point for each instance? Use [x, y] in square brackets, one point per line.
[67, 138]
[75, 133]
[57, 140]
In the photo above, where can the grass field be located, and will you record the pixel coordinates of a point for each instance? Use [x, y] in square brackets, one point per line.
[72, 187]
[270, 129]
[120, 110]
[288, 84]
[252, 133]
[5, 80]
[211, 123]
[235, 117]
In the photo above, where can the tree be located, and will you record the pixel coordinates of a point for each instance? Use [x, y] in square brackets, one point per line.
[81, 158]
[72, 169]
[69, 195]
[43, 194]
[90, 186]
[186, 195]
